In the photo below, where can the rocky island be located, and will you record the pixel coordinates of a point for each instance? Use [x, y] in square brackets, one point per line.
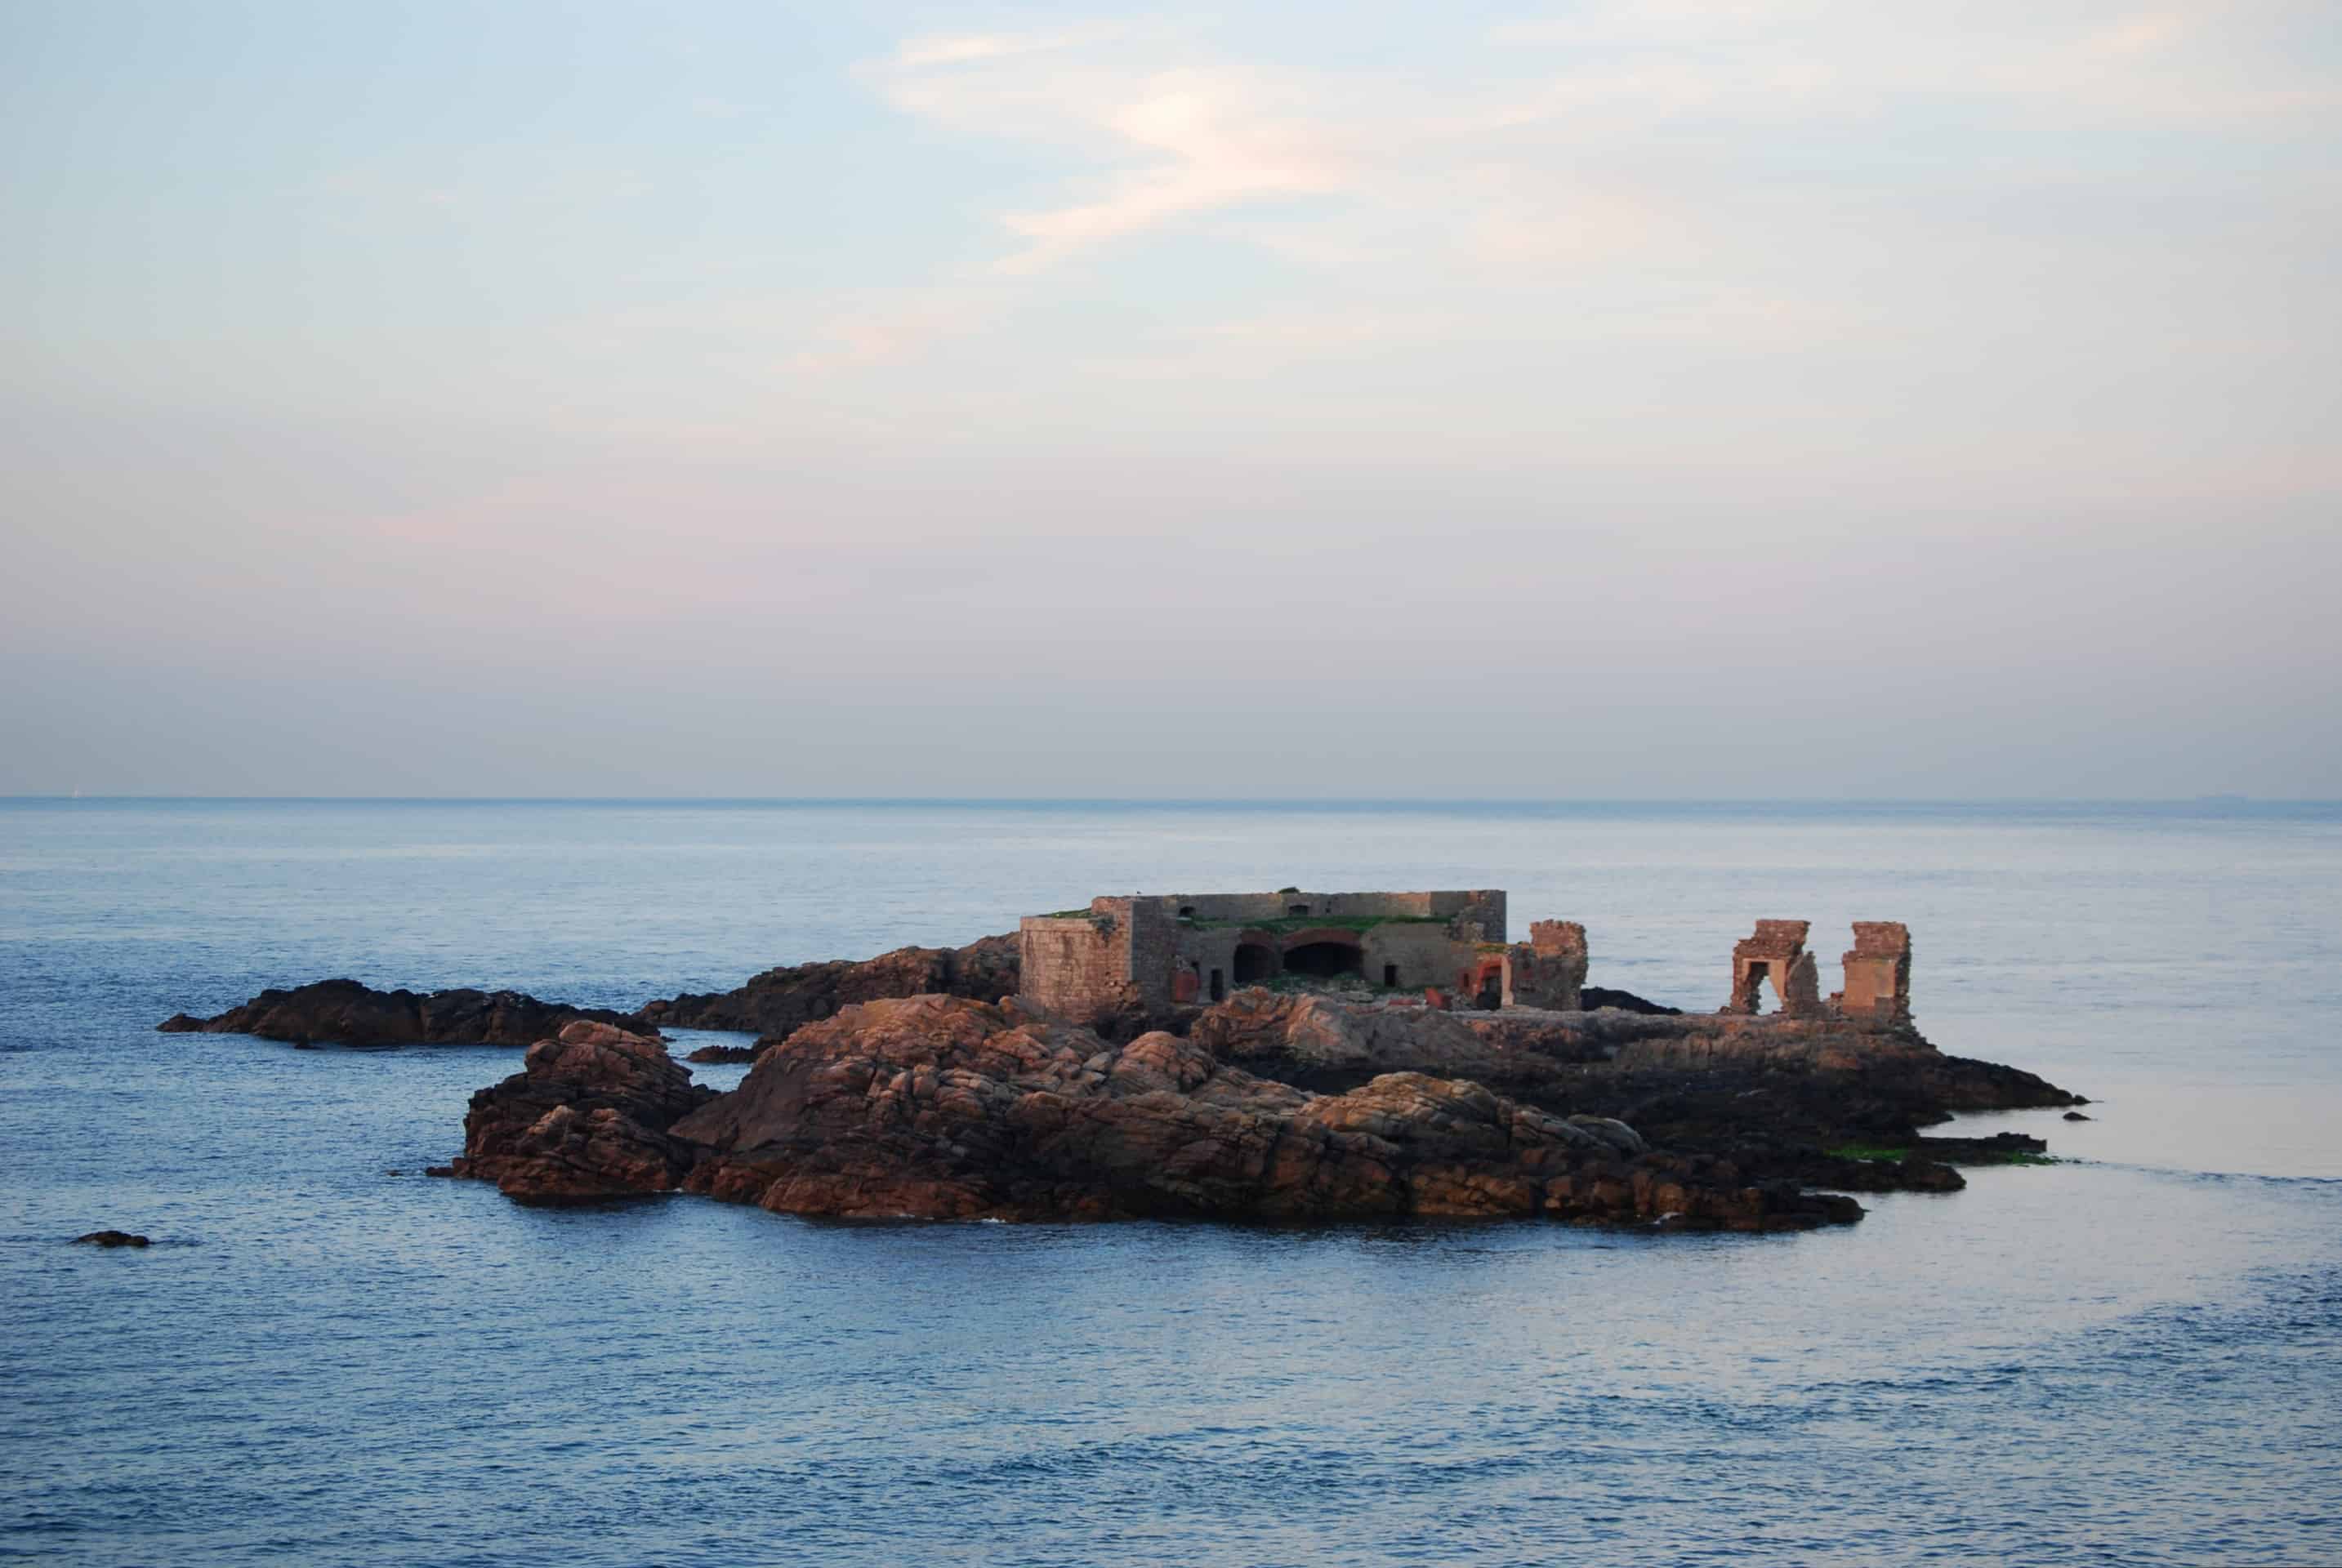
[1105, 1087]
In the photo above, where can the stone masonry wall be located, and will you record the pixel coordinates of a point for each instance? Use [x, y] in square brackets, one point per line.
[1878, 974]
[1550, 971]
[1073, 967]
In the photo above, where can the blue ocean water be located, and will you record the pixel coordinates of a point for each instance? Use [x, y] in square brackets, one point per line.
[2133, 1357]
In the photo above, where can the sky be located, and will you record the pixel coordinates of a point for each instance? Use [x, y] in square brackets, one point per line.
[1626, 399]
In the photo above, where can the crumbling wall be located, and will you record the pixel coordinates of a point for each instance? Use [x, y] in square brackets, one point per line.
[1776, 953]
[1549, 970]
[1478, 915]
[1413, 955]
[1878, 974]
[1482, 908]
[1150, 951]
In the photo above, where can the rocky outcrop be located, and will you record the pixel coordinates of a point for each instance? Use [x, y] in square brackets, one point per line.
[1594, 997]
[1772, 1095]
[344, 1012]
[1324, 1042]
[587, 1117]
[1271, 1106]
[731, 1053]
[938, 1107]
[779, 1002]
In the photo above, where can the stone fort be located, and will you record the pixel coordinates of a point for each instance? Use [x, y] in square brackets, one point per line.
[1152, 951]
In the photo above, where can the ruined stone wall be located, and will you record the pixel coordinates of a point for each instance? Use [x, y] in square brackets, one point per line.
[1484, 906]
[1478, 917]
[1124, 953]
[1776, 952]
[1878, 974]
[1550, 971]
[1072, 966]
[1421, 955]
[1149, 949]
[1409, 953]
[1557, 936]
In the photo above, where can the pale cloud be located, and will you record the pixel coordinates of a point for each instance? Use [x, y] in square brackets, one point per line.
[1217, 146]
[1175, 139]
[1565, 166]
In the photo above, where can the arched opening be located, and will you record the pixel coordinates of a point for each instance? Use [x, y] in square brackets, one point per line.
[1324, 959]
[1488, 987]
[1763, 998]
[1256, 961]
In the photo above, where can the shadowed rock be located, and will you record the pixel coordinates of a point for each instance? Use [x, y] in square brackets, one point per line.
[1593, 997]
[112, 1239]
[779, 1002]
[941, 1107]
[587, 1117]
[346, 1013]
[1771, 1093]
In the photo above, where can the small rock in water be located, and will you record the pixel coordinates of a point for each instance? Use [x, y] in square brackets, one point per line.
[112, 1239]
[2078, 1116]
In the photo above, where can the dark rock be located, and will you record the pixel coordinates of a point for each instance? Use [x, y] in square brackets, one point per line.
[941, 1107]
[724, 1054]
[350, 1013]
[1592, 997]
[1979, 1151]
[1771, 1093]
[780, 1001]
[587, 1117]
[112, 1239]
[1267, 1105]
[2078, 1116]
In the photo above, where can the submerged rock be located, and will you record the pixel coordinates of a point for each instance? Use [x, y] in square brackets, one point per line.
[112, 1239]
[350, 1013]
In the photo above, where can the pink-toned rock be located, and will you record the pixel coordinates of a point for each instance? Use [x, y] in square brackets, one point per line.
[779, 1001]
[941, 1107]
[587, 1117]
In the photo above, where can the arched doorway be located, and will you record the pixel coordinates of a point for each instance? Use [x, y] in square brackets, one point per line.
[1753, 998]
[1255, 961]
[1323, 958]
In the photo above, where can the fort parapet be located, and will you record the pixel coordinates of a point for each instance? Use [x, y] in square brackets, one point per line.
[1151, 951]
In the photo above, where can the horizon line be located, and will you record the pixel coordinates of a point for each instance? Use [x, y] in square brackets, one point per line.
[2221, 798]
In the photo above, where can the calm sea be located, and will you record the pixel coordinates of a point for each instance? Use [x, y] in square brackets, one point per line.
[2133, 1357]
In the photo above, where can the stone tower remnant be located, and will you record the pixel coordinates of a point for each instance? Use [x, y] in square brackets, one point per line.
[1878, 974]
[1777, 953]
